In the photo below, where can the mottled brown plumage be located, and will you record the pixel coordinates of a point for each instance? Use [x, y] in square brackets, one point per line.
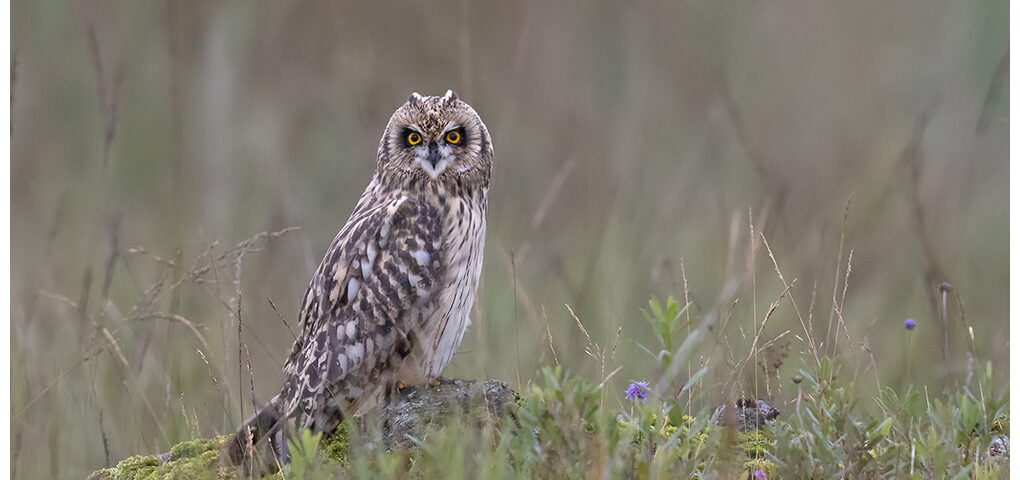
[391, 299]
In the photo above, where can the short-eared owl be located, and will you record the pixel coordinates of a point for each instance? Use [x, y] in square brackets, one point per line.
[391, 299]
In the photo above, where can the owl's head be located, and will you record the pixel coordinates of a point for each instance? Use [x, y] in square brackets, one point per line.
[436, 140]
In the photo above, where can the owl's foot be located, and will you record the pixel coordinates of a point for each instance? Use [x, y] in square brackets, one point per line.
[248, 449]
[440, 380]
[400, 387]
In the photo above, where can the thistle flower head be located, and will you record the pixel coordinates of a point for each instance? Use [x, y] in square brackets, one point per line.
[637, 391]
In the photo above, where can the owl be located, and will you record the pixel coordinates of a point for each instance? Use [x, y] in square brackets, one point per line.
[391, 300]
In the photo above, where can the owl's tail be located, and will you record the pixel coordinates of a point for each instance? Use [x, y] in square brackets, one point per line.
[267, 423]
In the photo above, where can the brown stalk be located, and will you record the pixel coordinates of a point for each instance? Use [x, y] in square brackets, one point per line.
[807, 332]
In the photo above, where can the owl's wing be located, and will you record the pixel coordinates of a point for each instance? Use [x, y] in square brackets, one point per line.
[365, 301]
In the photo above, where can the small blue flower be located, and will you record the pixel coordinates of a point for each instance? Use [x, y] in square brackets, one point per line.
[637, 390]
[759, 475]
[909, 324]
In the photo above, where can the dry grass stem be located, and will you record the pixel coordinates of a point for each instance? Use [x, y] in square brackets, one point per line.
[284, 320]
[810, 339]
[839, 308]
[839, 266]
[548, 332]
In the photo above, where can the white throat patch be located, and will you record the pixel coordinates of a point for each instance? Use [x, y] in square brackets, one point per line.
[429, 169]
[445, 158]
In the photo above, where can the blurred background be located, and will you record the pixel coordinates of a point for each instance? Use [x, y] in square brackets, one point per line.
[637, 145]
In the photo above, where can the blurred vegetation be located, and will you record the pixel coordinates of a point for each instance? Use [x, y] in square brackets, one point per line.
[803, 175]
[558, 429]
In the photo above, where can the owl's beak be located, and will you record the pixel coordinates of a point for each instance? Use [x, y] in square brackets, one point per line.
[433, 157]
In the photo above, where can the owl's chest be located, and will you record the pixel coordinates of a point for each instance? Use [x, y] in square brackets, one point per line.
[443, 326]
[463, 240]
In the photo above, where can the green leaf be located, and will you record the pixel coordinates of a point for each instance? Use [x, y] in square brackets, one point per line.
[694, 379]
[886, 426]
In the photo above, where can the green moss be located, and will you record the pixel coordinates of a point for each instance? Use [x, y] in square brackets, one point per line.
[195, 448]
[104, 474]
[197, 459]
[336, 446]
[193, 459]
[755, 443]
[204, 465]
[276, 476]
[138, 467]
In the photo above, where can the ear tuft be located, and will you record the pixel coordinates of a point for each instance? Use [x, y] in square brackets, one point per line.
[415, 98]
[450, 96]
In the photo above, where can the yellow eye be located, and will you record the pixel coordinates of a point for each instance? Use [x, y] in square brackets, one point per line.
[413, 138]
[453, 137]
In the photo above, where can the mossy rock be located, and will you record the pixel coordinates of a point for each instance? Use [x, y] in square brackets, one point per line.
[138, 467]
[414, 410]
[192, 459]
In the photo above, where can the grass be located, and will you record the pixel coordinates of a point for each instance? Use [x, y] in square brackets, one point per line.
[562, 429]
[565, 427]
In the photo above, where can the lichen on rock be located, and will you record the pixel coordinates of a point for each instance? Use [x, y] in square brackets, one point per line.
[415, 409]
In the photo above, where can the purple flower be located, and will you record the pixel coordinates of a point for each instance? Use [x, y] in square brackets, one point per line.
[637, 390]
[909, 324]
[759, 475]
